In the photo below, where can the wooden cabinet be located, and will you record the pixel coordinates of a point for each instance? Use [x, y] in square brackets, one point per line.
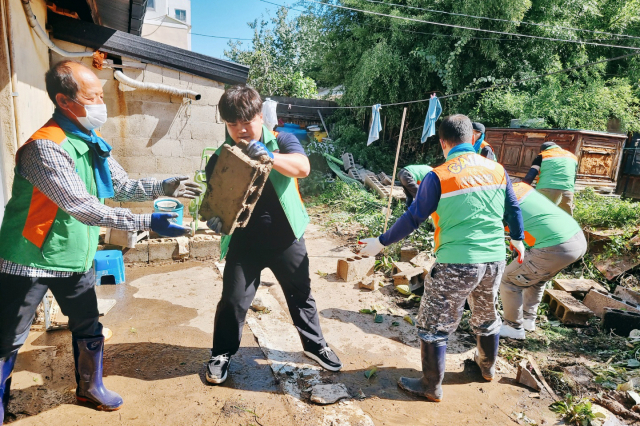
[599, 154]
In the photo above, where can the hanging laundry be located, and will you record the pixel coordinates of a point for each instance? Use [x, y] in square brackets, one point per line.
[435, 109]
[269, 115]
[376, 127]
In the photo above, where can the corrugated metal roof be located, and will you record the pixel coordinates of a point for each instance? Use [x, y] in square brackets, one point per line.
[124, 44]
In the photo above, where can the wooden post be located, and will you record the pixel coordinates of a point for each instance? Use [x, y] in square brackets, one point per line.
[395, 166]
[325, 127]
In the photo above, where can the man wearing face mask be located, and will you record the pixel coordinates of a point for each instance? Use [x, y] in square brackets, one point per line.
[49, 234]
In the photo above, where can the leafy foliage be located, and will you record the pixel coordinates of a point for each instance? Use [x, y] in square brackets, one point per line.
[594, 210]
[576, 412]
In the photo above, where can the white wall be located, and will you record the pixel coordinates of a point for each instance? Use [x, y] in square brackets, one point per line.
[171, 32]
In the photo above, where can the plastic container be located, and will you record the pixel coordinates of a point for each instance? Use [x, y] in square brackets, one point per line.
[169, 205]
[295, 130]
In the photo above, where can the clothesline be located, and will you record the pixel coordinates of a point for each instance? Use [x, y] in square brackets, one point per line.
[475, 90]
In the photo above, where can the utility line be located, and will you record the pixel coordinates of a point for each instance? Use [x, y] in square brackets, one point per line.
[503, 20]
[509, 83]
[229, 38]
[406, 18]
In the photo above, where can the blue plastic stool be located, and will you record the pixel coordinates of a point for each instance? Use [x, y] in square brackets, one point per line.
[109, 263]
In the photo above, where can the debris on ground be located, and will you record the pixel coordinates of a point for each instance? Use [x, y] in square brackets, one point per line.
[329, 394]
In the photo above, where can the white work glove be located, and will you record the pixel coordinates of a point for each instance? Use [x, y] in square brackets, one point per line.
[181, 187]
[373, 246]
[518, 246]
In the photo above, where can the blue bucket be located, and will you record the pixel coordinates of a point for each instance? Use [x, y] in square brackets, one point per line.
[169, 205]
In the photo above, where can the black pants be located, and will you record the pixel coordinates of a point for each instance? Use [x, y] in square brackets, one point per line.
[409, 185]
[240, 283]
[20, 296]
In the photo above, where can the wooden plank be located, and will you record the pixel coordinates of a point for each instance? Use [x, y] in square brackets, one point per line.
[534, 364]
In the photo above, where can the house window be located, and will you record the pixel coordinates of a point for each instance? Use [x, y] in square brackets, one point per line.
[151, 4]
[181, 15]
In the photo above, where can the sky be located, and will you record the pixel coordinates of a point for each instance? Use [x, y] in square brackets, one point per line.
[226, 19]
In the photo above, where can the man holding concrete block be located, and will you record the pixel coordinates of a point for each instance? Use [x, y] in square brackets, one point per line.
[468, 197]
[555, 241]
[273, 238]
[49, 234]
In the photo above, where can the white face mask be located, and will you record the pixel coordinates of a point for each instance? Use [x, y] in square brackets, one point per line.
[96, 116]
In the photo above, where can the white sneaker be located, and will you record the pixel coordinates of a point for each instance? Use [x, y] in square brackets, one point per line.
[512, 333]
[529, 324]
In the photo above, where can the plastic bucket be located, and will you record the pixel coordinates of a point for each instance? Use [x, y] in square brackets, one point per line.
[169, 205]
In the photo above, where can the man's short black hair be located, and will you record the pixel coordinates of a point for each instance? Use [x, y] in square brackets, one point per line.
[478, 127]
[240, 103]
[60, 79]
[456, 129]
[547, 145]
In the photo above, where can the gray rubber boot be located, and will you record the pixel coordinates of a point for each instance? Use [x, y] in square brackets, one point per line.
[433, 363]
[487, 355]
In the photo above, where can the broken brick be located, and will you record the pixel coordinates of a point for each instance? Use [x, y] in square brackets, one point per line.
[234, 188]
[620, 322]
[400, 267]
[567, 309]
[409, 277]
[577, 287]
[627, 295]
[356, 267]
[597, 301]
[408, 253]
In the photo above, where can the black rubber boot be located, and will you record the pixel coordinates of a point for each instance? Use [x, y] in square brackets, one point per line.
[88, 358]
[6, 367]
[433, 362]
[487, 355]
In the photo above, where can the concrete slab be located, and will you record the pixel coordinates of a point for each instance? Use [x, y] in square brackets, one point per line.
[597, 301]
[577, 287]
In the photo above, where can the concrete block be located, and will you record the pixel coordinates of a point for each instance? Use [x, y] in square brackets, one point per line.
[355, 267]
[369, 283]
[138, 164]
[620, 322]
[163, 249]
[567, 309]
[234, 188]
[384, 178]
[577, 287]
[166, 147]
[347, 159]
[205, 247]
[210, 131]
[181, 165]
[411, 277]
[400, 267]
[627, 295]
[597, 301]
[137, 147]
[382, 190]
[408, 253]
[138, 254]
[355, 174]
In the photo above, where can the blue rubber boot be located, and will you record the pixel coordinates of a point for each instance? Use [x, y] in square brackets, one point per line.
[6, 367]
[433, 362]
[88, 358]
[487, 355]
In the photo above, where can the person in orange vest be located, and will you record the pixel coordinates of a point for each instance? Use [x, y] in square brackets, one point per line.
[558, 169]
[555, 240]
[468, 197]
[481, 146]
[49, 233]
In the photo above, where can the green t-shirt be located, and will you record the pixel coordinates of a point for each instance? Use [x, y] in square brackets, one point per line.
[418, 171]
[545, 224]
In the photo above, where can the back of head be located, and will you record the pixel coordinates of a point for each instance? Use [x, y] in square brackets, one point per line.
[478, 127]
[547, 145]
[240, 103]
[456, 129]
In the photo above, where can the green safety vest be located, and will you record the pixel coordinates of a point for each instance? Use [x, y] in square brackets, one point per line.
[545, 223]
[286, 189]
[558, 169]
[35, 232]
[469, 216]
[418, 171]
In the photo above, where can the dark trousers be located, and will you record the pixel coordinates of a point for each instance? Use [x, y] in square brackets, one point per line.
[20, 296]
[409, 185]
[240, 283]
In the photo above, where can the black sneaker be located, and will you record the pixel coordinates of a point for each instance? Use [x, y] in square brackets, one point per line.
[326, 358]
[218, 368]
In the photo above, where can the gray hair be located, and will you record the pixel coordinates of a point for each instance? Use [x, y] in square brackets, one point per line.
[60, 79]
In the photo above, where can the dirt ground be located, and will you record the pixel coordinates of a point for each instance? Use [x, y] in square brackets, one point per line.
[162, 330]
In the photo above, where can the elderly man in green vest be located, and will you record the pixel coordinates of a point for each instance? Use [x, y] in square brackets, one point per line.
[555, 240]
[272, 239]
[410, 178]
[49, 234]
[558, 168]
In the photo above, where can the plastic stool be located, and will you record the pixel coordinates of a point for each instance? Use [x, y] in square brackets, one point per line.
[109, 263]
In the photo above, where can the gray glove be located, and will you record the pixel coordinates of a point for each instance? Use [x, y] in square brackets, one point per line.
[176, 187]
[215, 224]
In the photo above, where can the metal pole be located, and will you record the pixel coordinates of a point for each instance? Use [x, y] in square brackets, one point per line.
[323, 125]
[395, 166]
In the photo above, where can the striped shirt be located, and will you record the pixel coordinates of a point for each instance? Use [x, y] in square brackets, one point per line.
[49, 168]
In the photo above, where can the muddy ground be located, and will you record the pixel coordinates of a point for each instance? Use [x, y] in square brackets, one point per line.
[162, 325]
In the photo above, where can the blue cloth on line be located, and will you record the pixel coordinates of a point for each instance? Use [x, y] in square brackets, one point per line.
[434, 111]
[374, 131]
[101, 151]
[476, 146]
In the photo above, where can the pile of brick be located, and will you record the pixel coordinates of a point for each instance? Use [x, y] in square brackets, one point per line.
[575, 301]
[380, 183]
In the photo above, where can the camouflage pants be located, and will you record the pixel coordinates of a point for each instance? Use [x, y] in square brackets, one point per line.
[451, 284]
